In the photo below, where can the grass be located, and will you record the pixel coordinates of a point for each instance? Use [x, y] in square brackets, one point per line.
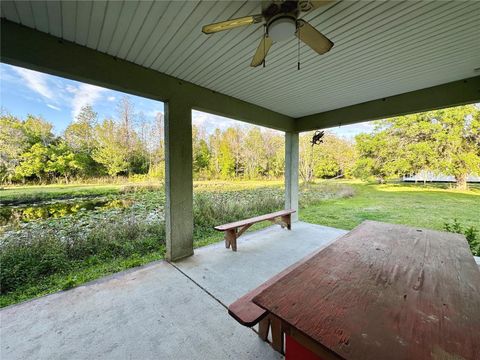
[429, 206]
[48, 255]
[29, 194]
[77, 276]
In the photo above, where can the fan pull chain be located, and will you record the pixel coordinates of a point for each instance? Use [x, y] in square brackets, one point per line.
[264, 40]
[298, 47]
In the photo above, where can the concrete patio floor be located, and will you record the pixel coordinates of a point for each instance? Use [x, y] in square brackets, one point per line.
[162, 310]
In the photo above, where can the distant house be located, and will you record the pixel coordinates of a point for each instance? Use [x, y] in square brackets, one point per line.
[429, 176]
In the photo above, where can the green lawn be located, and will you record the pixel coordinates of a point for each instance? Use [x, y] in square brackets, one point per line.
[12, 195]
[429, 206]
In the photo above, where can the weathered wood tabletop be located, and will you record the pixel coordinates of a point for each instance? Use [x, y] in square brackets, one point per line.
[384, 291]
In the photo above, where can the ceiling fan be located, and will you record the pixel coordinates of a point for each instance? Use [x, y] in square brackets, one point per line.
[281, 22]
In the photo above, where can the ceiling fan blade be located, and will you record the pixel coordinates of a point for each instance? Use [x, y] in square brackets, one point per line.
[319, 3]
[231, 24]
[312, 37]
[309, 5]
[262, 51]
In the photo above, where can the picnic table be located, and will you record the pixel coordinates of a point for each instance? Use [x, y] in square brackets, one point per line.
[381, 291]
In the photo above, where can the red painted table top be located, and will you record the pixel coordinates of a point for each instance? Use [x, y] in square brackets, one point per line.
[385, 291]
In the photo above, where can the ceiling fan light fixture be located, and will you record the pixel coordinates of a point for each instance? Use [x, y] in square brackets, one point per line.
[282, 28]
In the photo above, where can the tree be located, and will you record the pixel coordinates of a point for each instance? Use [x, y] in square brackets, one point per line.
[156, 147]
[444, 141]
[458, 141]
[133, 147]
[226, 159]
[110, 150]
[127, 118]
[226, 151]
[13, 142]
[386, 152]
[62, 161]
[232, 140]
[254, 153]
[377, 155]
[33, 162]
[201, 152]
[274, 152]
[417, 148]
[332, 157]
[214, 142]
[80, 135]
[38, 130]
[306, 157]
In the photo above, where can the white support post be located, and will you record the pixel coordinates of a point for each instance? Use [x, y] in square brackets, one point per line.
[291, 172]
[178, 180]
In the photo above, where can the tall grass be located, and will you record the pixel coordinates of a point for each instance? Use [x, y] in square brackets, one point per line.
[29, 258]
[49, 251]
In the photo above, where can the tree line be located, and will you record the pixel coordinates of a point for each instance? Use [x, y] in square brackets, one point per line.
[31, 152]
[131, 146]
[444, 141]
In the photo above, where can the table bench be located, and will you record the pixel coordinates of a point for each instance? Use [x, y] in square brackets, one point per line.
[234, 230]
[249, 314]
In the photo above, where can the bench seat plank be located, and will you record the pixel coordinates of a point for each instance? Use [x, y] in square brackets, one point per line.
[245, 311]
[253, 220]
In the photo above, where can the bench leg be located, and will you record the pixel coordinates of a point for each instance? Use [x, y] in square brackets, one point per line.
[274, 324]
[227, 240]
[263, 326]
[277, 333]
[287, 219]
[231, 239]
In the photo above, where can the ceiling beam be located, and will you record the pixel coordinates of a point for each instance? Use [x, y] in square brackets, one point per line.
[456, 93]
[32, 49]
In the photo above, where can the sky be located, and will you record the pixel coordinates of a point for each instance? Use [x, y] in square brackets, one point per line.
[59, 100]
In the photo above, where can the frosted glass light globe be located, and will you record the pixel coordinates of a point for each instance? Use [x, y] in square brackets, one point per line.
[282, 29]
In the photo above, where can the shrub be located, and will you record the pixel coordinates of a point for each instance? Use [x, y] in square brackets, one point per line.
[471, 233]
[26, 259]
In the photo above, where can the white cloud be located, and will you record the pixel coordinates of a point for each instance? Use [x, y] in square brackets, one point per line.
[211, 122]
[350, 131]
[54, 107]
[84, 94]
[153, 113]
[35, 81]
[111, 98]
[71, 89]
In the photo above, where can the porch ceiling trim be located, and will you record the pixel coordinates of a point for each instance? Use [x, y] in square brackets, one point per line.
[446, 95]
[29, 48]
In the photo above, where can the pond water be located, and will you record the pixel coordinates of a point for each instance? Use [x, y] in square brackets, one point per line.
[30, 212]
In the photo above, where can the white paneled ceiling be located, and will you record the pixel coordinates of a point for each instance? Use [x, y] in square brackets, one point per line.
[382, 48]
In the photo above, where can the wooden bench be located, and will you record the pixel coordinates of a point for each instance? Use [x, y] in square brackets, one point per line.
[234, 230]
[247, 313]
